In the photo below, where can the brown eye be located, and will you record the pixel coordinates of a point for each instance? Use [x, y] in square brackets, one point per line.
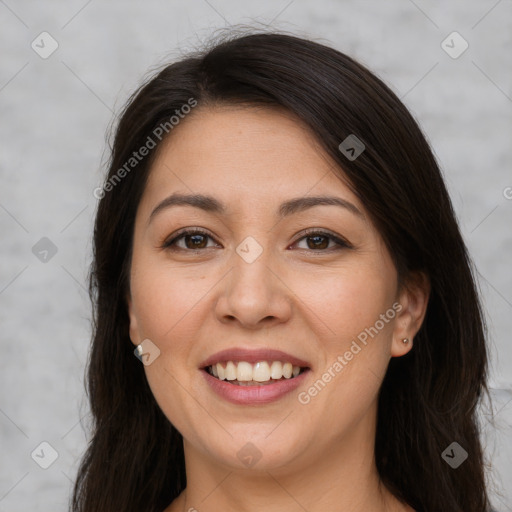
[196, 241]
[193, 240]
[320, 240]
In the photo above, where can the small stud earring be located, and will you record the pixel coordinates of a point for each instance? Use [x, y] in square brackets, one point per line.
[405, 340]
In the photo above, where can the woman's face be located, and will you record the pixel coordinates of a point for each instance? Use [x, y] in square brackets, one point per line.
[260, 295]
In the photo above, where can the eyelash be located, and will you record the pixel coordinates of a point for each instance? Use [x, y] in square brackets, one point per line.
[309, 233]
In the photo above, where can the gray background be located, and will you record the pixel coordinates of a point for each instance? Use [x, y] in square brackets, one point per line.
[55, 113]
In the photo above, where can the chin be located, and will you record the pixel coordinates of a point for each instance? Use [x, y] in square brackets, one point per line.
[258, 452]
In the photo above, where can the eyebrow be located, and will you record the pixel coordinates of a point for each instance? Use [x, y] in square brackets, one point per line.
[210, 204]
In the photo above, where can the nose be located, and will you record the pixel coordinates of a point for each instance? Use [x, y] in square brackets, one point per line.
[254, 294]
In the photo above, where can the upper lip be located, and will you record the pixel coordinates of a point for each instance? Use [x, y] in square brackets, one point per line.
[253, 356]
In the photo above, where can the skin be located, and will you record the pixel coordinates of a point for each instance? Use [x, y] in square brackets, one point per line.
[307, 301]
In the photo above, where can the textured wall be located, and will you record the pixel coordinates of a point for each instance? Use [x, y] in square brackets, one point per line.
[54, 114]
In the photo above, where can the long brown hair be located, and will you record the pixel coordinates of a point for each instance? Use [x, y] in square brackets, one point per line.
[428, 399]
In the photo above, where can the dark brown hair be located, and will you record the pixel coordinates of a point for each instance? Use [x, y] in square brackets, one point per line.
[134, 461]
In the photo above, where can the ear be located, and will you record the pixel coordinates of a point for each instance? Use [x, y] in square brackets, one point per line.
[413, 297]
[134, 328]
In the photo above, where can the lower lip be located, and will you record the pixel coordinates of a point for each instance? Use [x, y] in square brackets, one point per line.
[253, 395]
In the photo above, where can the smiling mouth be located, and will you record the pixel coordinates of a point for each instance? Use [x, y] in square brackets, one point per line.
[262, 373]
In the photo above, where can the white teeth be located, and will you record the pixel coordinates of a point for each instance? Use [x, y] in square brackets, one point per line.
[244, 371]
[231, 371]
[276, 370]
[262, 371]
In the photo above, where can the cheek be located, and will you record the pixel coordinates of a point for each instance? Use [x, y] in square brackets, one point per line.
[167, 303]
[357, 338]
[167, 299]
[349, 300]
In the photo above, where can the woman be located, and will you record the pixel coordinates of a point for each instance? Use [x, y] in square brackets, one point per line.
[275, 243]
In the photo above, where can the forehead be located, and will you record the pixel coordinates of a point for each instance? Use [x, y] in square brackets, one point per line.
[244, 153]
